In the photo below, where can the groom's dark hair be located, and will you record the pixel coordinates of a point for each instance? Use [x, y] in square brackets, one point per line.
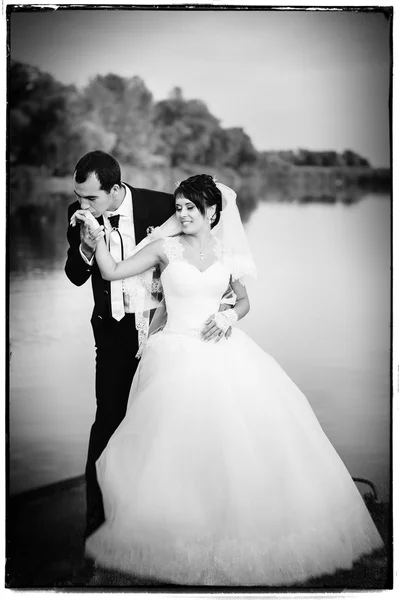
[104, 166]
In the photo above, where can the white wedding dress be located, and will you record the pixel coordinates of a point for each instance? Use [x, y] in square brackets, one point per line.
[220, 473]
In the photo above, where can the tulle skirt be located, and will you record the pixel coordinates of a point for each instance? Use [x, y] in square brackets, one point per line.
[220, 474]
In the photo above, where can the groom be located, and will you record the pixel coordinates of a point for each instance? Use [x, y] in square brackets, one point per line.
[127, 212]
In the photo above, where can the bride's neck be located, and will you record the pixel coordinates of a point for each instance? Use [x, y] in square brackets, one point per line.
[201, 237]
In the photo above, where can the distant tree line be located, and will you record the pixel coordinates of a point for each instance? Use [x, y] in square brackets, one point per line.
[51, 125]
[302, 157]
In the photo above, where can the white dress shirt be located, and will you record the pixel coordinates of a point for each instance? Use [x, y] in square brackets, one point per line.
[126, 229]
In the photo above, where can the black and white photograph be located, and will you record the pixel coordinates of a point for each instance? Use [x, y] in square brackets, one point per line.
[199, 298]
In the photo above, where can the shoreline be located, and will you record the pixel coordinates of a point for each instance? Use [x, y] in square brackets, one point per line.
[45, 529]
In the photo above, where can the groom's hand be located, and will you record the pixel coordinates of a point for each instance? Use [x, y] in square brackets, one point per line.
[90, 231]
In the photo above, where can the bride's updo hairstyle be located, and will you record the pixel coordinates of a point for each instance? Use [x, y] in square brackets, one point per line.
[201, 190]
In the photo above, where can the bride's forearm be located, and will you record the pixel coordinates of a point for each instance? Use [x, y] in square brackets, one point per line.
[242, 307]
[223, 320]
[110, 270]
[104, 260]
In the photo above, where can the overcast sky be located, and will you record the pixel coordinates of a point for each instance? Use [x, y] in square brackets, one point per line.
[316, 80]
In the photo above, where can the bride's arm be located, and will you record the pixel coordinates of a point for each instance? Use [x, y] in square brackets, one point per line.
[242, 305]
[148, 257]
[226, 315]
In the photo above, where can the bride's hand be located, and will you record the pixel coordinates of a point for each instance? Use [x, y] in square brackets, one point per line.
[90, 231]
[84, 216]
[211, 331]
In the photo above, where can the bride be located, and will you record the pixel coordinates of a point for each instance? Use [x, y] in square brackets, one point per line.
[220, 473]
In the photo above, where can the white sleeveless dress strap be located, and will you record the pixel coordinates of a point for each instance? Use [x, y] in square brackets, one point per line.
[172, 248]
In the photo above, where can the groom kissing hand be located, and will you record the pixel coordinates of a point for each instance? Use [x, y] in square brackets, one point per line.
[124, 213]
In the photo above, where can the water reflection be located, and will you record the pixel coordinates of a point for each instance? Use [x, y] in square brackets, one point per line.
[325, 185]
[37, 235]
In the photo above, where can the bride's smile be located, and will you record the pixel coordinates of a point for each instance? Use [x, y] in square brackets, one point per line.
[192, 220]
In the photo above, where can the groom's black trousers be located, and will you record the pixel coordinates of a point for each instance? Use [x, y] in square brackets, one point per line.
[116, 347]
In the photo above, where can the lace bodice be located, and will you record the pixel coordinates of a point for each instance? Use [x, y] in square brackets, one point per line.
[191, 296]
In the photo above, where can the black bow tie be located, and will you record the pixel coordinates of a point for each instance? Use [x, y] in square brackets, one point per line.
[114, 221]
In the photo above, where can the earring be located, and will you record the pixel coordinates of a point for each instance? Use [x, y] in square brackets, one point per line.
[211, 218]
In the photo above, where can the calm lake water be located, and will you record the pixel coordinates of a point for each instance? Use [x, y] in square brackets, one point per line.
[320, 306]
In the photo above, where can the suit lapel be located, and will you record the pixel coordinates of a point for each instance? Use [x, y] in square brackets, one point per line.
[140, 213]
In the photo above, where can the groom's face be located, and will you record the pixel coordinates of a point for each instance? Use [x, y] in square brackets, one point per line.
[92, 197]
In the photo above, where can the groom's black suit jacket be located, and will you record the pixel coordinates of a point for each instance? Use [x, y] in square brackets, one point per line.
[150, 208]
